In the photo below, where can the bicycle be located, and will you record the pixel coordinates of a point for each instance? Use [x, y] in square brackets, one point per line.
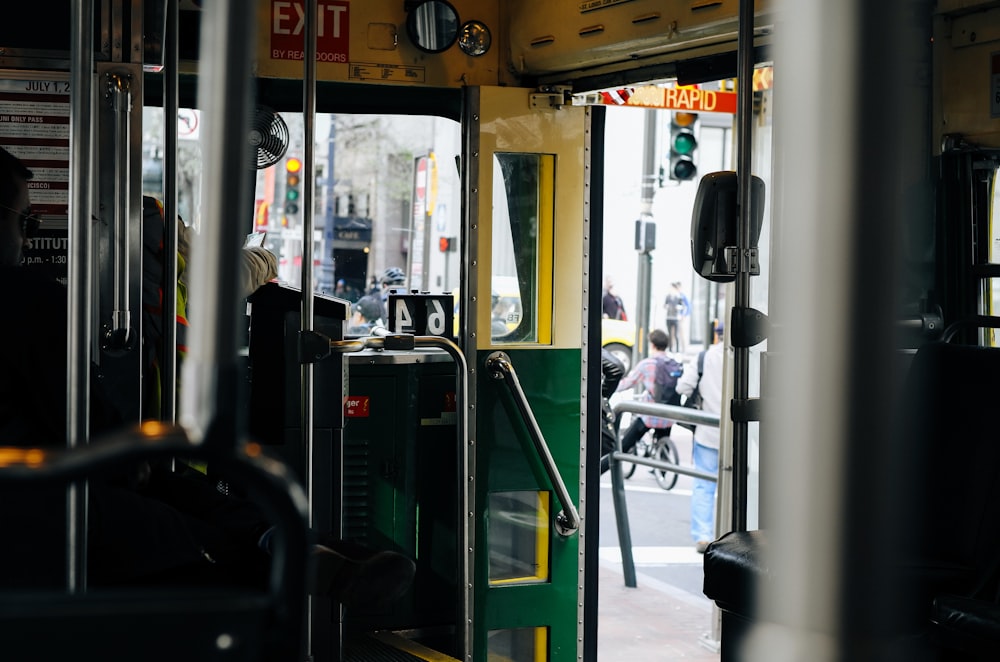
[656, 444]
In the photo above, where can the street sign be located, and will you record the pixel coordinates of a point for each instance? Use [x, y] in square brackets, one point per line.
[686, 97]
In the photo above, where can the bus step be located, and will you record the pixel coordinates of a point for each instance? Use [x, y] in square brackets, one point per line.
[390, 647]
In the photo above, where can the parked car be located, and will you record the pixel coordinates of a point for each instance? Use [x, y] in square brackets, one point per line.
[618, 337]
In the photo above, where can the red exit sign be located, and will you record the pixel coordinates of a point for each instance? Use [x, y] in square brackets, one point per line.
[288, 21]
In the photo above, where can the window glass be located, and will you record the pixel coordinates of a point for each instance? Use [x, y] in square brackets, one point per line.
[386, 197]
[518, 536]
[519, 645]
[521, 257]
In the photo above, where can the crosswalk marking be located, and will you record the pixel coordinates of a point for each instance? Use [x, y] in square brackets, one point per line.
[650, 490]
[655, 556]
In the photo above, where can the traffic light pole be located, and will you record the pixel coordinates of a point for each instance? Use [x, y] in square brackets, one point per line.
[645, 240]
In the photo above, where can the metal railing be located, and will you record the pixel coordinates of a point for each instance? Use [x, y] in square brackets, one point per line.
[568, 519]
[674, 413]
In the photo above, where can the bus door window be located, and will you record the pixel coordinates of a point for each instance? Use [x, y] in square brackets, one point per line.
[523, 208]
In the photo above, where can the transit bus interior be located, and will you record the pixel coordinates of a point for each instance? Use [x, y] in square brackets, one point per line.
[429, 186]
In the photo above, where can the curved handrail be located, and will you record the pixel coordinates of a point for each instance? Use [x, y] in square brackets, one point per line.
[673, 412]
[283, 499]
[975, 321]
[381, 339]
[500, 367]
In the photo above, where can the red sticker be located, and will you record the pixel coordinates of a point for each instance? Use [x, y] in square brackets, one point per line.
[356, 406]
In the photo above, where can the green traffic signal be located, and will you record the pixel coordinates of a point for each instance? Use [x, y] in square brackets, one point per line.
[684, 143]
[683, 146]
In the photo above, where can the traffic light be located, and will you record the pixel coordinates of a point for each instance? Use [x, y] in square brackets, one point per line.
[293, 166]
[683, 145]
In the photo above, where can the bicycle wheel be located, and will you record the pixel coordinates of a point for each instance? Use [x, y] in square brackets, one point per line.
[628, 468]
[667, 452]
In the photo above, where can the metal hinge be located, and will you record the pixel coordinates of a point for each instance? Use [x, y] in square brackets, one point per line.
[550, 96]
[747, 260]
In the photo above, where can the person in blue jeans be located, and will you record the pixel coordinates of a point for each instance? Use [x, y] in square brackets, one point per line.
[705, 445]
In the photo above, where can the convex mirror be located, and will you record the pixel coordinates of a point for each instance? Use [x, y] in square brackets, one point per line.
[432, 26]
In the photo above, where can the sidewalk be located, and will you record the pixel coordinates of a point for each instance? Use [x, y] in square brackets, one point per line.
[653, 622]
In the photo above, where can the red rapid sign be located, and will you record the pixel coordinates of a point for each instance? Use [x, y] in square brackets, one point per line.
[674, 98]
[288, 20]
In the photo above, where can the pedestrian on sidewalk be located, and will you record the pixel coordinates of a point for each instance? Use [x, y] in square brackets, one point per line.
[705, 442]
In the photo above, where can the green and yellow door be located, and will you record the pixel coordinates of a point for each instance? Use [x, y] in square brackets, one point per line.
[527, 257]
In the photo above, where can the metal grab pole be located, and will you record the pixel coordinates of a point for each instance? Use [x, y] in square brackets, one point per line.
[741, 355]
[171, 86]
[500, 367]
[210, 370]
[79, 312]
[316, 614]
[120, 98]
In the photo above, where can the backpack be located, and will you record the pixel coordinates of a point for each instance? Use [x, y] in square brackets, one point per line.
[665, 383]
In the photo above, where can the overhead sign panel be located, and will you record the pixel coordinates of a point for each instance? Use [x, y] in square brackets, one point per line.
[288, 20]
[674, 98]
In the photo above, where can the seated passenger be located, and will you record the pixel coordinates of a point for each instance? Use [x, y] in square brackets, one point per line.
[257, 266]
[145, 527]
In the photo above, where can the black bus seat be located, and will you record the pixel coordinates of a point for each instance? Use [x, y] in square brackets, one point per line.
[163, 623]
[953, 534]
[968, 625]
[734, 568]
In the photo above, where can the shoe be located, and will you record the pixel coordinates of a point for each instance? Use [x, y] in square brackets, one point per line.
[701, 546]
[356, 576]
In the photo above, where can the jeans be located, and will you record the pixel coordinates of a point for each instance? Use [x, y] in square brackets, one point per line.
[703, 494]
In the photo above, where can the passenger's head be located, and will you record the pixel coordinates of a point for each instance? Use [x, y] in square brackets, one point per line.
[393, 277]
[16, 222]
[658, 339]
[368, 309]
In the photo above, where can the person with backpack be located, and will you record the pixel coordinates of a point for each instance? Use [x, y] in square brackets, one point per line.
[705, 377]
[658, 375]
